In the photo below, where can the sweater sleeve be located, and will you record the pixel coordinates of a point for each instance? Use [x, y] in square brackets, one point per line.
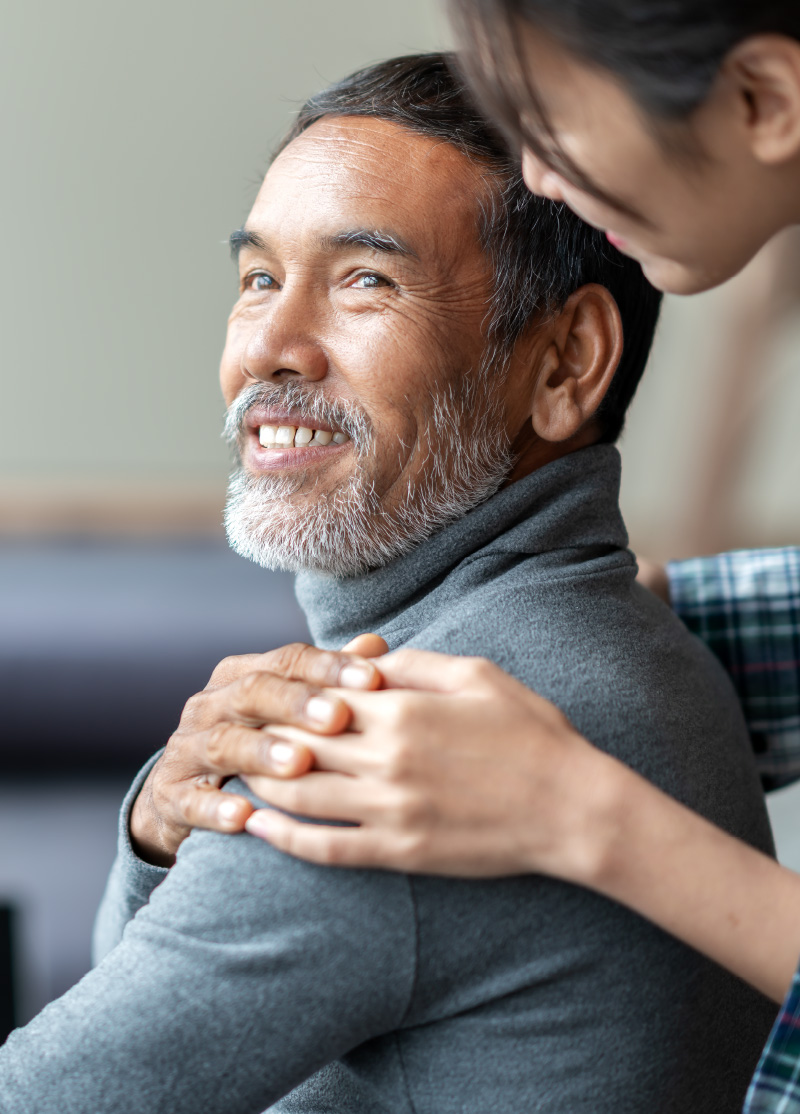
[245, 973]
[131, 880]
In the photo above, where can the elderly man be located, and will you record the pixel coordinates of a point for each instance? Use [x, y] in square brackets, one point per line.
[425, 376]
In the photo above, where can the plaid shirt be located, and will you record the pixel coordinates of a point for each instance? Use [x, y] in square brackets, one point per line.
[776, 1085]
[746, 607]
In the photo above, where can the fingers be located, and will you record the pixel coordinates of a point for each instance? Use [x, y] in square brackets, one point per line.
[230, 748]
[299, 662]
[322, 796]
[258, 698]
[323, 668]
[316, 843]
[422, 669]
[344, 754]
[203, 806]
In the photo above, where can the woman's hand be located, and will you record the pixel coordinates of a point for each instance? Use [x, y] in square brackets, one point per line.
[221, 734]
[476, 776]
[455, 768]
[481, 777]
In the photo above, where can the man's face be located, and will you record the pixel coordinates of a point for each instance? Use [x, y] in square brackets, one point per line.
[362, 309]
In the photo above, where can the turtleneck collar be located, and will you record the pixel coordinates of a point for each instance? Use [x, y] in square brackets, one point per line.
[571, 504]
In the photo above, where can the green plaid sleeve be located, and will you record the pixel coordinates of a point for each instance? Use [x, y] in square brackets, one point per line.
[746, 607]
[775, 1088]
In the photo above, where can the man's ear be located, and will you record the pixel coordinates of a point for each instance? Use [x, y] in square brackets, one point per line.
[765, 72]
[578, 365]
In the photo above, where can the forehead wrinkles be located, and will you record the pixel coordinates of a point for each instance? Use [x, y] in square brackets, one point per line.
[424, 181]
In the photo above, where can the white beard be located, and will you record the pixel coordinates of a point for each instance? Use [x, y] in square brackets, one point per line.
[346, 532]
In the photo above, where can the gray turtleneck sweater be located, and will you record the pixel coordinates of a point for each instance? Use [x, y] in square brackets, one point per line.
[248, 978]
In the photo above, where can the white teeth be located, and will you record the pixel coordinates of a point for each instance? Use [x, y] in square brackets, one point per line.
[289, 436]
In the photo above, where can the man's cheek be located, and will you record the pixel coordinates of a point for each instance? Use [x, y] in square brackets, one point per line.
[231, 378]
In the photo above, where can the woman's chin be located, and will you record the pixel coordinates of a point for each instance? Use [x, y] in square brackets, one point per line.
[681, 278]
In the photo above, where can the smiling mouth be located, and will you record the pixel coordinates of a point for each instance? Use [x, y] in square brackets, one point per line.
[298, 437]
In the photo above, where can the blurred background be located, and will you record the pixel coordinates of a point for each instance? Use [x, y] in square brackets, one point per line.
[135, 137]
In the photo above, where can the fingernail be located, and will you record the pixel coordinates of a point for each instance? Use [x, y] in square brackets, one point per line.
[355, 675]
[320, 710]
[228, 810]
[281, 753]
[258, 823]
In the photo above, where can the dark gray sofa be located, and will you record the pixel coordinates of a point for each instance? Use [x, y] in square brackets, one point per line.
[101, 643]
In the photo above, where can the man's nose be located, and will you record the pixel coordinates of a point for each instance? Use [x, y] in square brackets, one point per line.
[539, 178]
[284, 344]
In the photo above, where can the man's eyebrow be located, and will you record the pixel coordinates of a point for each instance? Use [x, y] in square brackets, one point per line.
[375, 239]
[246, 238]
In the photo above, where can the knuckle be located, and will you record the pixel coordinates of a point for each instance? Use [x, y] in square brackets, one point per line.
[283, 699]
[398, 712]
[478, 671]
[193, 709]
[414, 852]
[400, 760]
[293, 796]
[262, 696]
[286, 659]
[300, 662]
[323, 666]
[223, 669]
[245, 692]
[329, 851]
[411, 813]
[187, 805]
[217, 743]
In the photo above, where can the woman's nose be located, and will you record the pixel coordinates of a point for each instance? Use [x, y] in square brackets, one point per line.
[539, 178]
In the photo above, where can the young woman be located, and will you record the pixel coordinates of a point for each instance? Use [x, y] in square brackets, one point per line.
[675, 127]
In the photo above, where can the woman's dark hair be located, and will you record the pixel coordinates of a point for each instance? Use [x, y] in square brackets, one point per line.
[667, 53]
[540, 252]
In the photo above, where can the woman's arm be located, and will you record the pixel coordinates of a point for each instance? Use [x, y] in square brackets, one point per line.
[429, 795]
[717, 894]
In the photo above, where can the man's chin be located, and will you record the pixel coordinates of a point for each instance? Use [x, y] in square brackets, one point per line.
[279, 526]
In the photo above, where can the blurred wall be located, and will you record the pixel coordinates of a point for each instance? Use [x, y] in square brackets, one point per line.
[711, 456]
[135, 136]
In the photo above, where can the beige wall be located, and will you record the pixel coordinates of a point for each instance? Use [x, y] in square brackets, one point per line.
[722, 393]
[135, 135]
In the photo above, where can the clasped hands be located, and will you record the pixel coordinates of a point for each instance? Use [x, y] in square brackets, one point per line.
[444, 764]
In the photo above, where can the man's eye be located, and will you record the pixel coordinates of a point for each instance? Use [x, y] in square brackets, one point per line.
[369, 280]
[259, 281]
